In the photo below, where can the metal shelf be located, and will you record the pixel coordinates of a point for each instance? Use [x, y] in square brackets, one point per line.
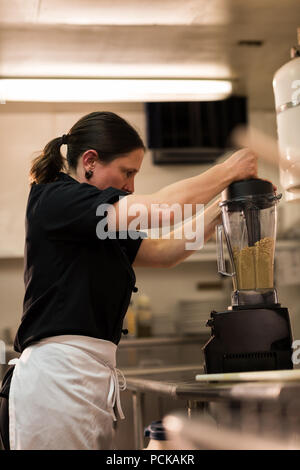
[209, 251]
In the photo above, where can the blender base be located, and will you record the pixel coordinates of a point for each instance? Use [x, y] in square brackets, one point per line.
[249, 339]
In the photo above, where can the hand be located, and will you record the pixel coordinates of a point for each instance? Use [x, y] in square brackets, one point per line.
[242, 165]
[274, 185]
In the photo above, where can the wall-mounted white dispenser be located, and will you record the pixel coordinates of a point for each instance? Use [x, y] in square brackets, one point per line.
[286, 86]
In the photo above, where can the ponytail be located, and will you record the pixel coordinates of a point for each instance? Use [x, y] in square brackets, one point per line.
[46, 167]
[106, 132]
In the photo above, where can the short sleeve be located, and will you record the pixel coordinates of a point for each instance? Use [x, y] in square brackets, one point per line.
[69, 210]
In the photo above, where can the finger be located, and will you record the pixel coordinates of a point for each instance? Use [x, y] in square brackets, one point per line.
[274, 185]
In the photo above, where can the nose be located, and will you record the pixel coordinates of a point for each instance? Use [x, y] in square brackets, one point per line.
[129, 187]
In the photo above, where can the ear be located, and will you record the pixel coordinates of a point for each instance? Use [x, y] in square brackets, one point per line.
[88, 158]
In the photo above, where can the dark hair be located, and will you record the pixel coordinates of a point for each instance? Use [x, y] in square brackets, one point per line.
[106, 132]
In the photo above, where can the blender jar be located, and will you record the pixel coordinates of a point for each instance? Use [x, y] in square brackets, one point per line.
[249, 222]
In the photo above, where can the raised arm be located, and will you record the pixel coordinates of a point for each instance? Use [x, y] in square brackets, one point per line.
[199, 189]
[166, 253]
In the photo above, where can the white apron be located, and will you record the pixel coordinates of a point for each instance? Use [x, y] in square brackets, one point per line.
[63, 393]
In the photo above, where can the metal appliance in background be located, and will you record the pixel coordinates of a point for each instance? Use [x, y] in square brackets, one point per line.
[286, 86]
[254, 333]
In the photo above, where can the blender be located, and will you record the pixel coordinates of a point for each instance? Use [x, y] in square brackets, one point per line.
[254, 333]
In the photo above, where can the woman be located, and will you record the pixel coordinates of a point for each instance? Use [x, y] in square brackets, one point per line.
[63, 392]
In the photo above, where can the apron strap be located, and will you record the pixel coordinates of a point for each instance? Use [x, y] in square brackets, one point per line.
[13, 361]
[118, 383]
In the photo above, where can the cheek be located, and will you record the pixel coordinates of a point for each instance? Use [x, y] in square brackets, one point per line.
[109, 176]
[116, 179]
[113, 178]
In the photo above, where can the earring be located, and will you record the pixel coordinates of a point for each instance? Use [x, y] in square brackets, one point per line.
[88, 174]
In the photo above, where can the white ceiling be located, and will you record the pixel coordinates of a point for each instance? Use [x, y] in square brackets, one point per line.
[187, 38]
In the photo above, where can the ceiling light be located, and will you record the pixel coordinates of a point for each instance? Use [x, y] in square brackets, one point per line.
[112, 90]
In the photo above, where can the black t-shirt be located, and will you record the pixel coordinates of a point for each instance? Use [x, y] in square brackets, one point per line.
[75, 283]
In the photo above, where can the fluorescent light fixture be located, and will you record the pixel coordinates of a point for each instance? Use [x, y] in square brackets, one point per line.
[111, 90]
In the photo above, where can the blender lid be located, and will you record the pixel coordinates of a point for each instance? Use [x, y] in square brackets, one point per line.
[250, 187]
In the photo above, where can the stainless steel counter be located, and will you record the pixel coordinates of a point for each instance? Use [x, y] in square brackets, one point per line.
[179, 384]
[162, 340]
[160, 351]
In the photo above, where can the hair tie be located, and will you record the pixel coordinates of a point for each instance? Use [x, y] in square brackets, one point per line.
[64, 139]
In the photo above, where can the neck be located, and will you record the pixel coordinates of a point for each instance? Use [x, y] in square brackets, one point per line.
[74, 175]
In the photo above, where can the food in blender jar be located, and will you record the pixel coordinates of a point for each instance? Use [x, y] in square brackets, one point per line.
[254, 265]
